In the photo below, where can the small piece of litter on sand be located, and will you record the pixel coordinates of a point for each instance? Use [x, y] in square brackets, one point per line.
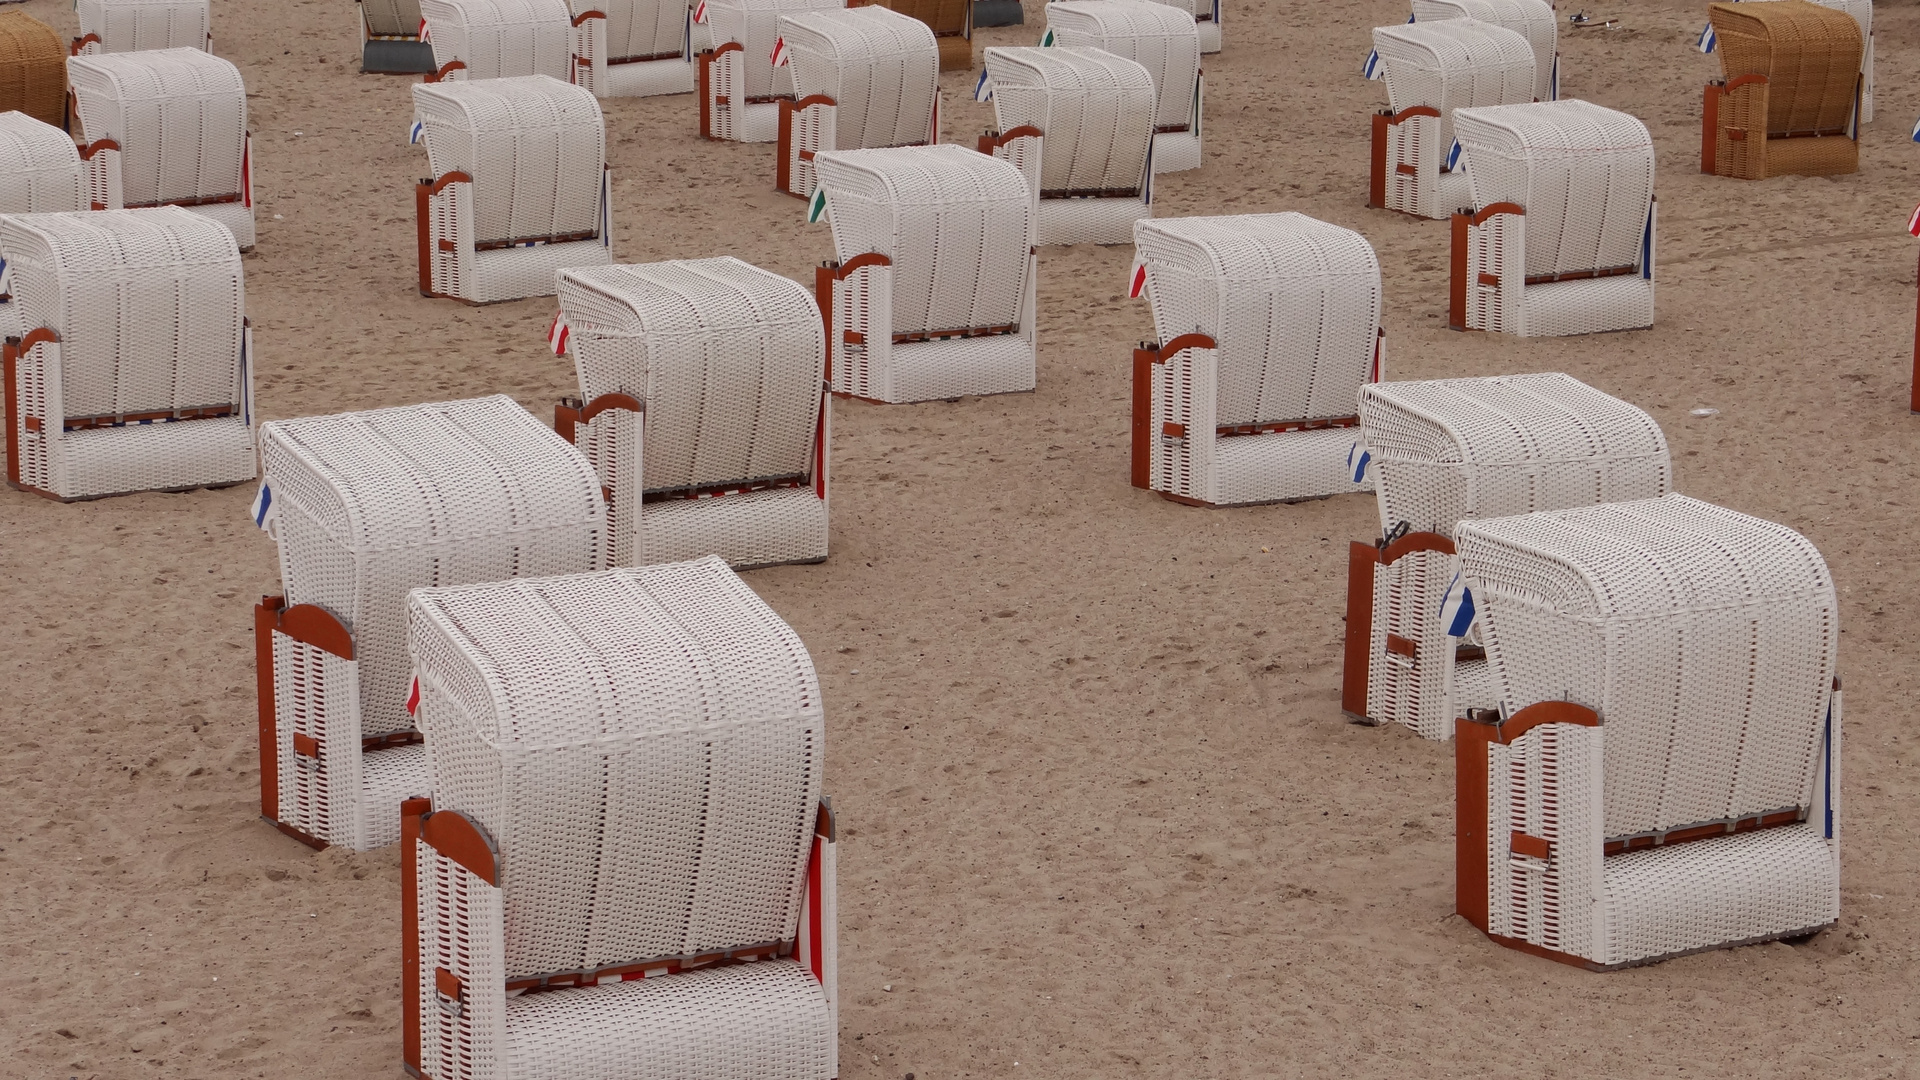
[1704, 412]
[888, 988]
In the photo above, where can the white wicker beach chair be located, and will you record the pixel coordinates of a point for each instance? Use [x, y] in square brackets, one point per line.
[931, 294]
[363, 507]
[1662, 774]
[1560, 235]
[115, 26]
[1206, 21]
[41, 172]
[1532, 19]
[740, 89]
[1159, 37]
[1453, 450]
[172, 124]
[632, 48]
[1079, 124]
[132, 373]
[519, 186]
[703, 407]
[627, 867]
[1433, 68]
[863, 78]
[390, 38]
[1268, 326]
[499, 39]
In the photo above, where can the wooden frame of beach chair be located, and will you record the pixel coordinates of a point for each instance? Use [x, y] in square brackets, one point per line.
[1790, 99]
[1268, 325]
[519, 186]
[1534, 20]
[499, 39]
[363, 507]
[1433, 68]
[1078, 123]
[132, 373]
[114, 26]
[1560, 235]
[173, 126]
[685, 916]
[633, 48]
[1159, 37]
[1452, 450]
[932, 291]
[1661, 776]
[863, 78]
[703, 408]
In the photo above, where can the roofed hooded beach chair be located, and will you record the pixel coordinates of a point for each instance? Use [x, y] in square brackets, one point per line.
[951, 22]
[363, 507]
[499, 39]
[519, 186]
[703, 407]
[1079, 124]
[172, 126]
[1162, 39]
[1268, 325]
[1206, 21]
[33, 68]
[1789, 102]
[931, 294]
[627, 867]
[133, 370]
[633, 48]
[1862, 12]
[115, 26]
[863, 78]
[41, 172]
[1662, 774]
[1559, 237]
[741, 81]
[1433, 68]
[1532, 19]
[1454, 450]
[390, 38]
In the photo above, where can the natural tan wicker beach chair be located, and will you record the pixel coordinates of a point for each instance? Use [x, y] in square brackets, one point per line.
[1660, 774]
[625, 869]
[1790, 100]
[33, 68]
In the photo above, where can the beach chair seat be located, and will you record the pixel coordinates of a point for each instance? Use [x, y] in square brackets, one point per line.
[41, 172]
[499, 39]
[1661, 773]
[132, 373]
[1159, 37]
[115, 26]
[390, 39]
[626, 868]
[862, 78]
[1079, 124]
[33, 68]
[364, 506]
[739, 86]
[1451, 450]
[1432, 69]
[1268, 326]
[172, 124]
[1559, 236]
[951, 22]
[1789, 101]
[1532, 19]
[931, 293]
[633, 48]
[519, 186]
[703, 408]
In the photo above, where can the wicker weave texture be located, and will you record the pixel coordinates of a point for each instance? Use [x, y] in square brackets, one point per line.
[134, 25]
[1862, 12]
[1453, 64]
[180, 117]
[1810, 55]
[1095, 114]
[1206, 19]
[729, 362]
[33, 68]
[755, 25]
[649, 734]
[632, 48]
[40, 169]
[392, 18]
[881, 69]
[535, 147]
[499, 39]
[1532, 19]
[1159, 37]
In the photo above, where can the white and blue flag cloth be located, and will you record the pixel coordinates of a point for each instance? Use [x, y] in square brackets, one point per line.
[983, 90]
[1707, 41]
[1373, 69]
[1358, 458]
[1457, 612]
[1916, 131]
[1453, 156]
[263, 510]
